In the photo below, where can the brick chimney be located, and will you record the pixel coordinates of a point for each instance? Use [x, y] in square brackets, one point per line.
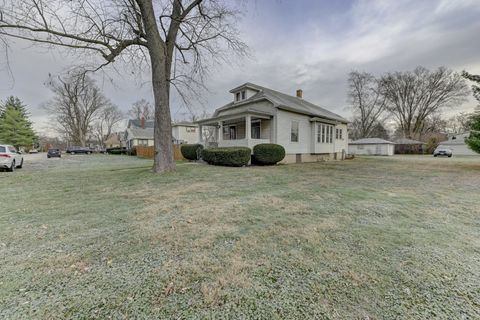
[142, 122]
[300, 93]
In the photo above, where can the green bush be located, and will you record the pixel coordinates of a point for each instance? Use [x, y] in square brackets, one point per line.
[231, 156]
[268, 153]
[191, 151]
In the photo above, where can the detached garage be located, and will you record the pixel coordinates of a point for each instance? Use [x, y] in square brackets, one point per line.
[371, 147]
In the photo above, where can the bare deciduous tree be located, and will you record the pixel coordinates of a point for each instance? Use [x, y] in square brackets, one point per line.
[193, 33]
[75, 106]
[367, 101]
[108, 118]
[141, 109]
[416, 96]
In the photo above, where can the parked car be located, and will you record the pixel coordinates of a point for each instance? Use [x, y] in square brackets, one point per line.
[32, 151]
[52, 153]
[10, 158]
[78, 150]
[440, 151]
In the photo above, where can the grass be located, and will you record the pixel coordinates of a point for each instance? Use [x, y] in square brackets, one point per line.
[373, 238]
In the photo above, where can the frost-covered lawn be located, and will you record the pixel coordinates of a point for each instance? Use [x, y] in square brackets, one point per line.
[102, 237]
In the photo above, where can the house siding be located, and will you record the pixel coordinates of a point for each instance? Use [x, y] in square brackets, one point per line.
[180, 133]
[284, 123]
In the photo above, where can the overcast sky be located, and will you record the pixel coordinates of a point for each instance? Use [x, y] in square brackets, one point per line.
[307, 44]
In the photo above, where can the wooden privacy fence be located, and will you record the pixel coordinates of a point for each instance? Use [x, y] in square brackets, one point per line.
[148, 152]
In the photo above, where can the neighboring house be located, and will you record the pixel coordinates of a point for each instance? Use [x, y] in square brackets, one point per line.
[456, 142]
[113, 141]
[185, 132]
[140, 133]
[409, 146]
[261, 115]
[371, 147]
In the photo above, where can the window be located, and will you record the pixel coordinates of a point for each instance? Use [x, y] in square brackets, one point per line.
[241, 95]
[325, 133]
[256, 128]
[339, 134]
[2, 149]
[294, 132]
[230, 132]
[191, 129]
[143, 142]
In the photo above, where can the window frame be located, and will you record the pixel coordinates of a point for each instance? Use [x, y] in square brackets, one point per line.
[292, 134]
[256, 124]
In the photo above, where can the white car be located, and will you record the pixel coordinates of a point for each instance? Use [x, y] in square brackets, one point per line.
[10, 158]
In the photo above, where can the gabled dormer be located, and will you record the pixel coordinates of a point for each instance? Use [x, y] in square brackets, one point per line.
[244, 92]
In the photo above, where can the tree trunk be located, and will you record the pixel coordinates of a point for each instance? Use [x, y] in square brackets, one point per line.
[163, 159]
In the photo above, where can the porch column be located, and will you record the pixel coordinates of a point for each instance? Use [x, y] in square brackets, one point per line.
[248, 127]
[220, 132]
[200, 133]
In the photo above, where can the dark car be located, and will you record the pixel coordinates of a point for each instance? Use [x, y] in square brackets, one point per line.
[78, 150]
[440, 151]
[52, 153]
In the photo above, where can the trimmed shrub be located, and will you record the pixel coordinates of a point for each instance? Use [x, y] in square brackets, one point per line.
[268, 153]
[231, 156]
[191, 151]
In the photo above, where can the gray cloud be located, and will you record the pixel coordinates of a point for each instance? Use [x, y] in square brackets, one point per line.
[303, 44]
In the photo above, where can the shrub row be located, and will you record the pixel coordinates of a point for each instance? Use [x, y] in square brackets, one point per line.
[268, 154]
[263, 154]
[191, 151]
[232, 157]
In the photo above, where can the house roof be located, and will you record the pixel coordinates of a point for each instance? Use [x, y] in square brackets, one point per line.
[138, 123]
[371, 141]
[282, 101]
[184, 124]
[408, 141]
[139, 133]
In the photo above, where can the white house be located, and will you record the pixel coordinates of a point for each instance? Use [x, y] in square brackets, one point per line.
[371, 147]
[260, 115]
[185, 132]
[140, 133]
[456, 142]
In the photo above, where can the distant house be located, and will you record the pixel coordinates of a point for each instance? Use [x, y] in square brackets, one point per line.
[185, 132]
[371, 147]
[456, 142]
[260, 115]
[409, 146]
[139, 132]
[113, 141]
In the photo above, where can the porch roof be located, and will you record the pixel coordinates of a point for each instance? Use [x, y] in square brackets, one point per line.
[252, 112]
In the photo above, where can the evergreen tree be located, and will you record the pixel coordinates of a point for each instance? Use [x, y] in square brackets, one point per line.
[473, 141]
[15, 127]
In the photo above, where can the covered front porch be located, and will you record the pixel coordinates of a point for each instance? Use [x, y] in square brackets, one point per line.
[245, 130]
